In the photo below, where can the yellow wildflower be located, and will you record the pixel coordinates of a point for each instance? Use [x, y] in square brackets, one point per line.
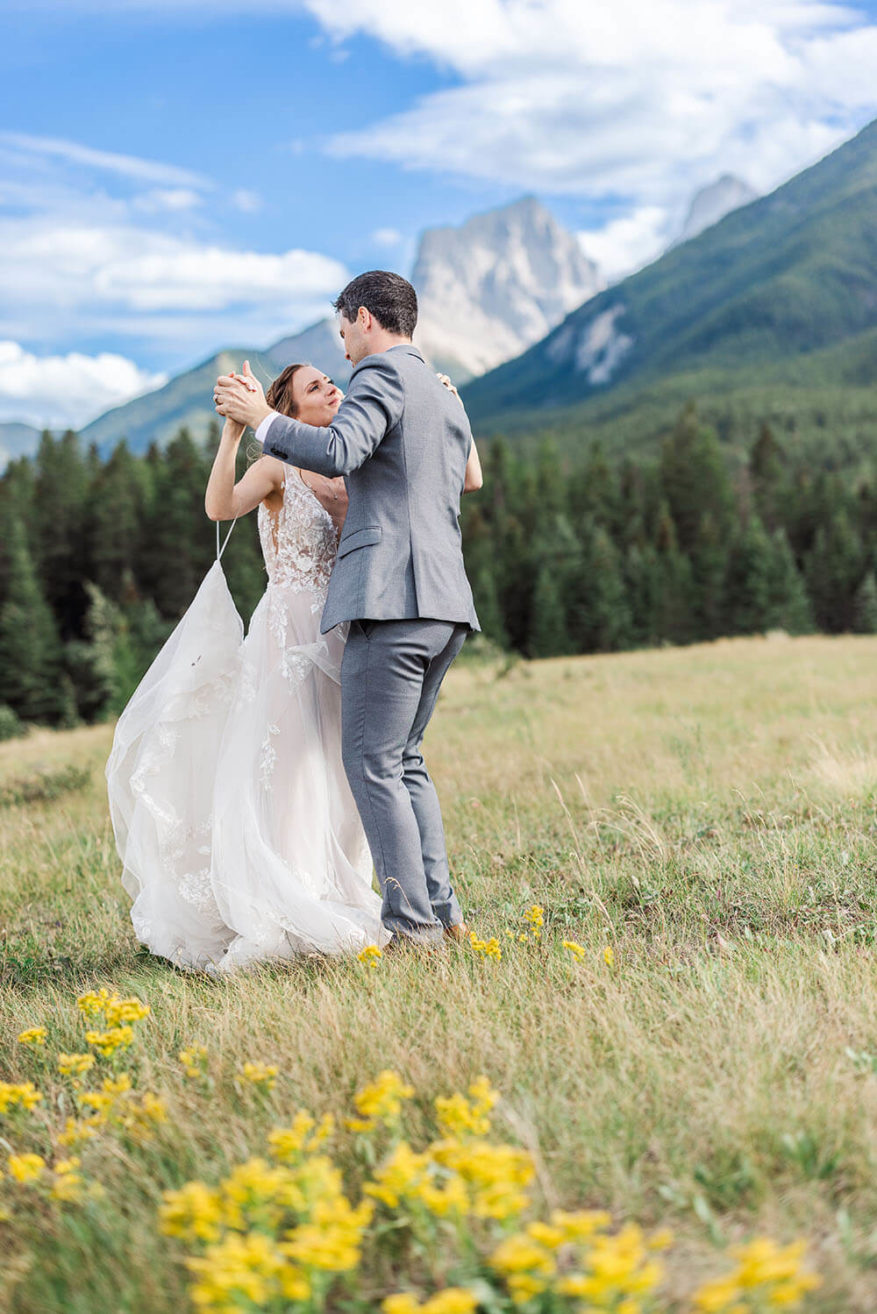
[521, 1254]
[770, 1272]
[75, 1132]
[239, 1270]
[443, 1198]
[453, 1300]
[193, 1213]
[578, 951]
[26, 1168]
[116, 1085]
[402, 1303]
[487, 948]
[107, 1042]
[259, 1074]
[194, 1060]
[609, 956]
[494, 1175]
[381, 1102]
[126, 1010]
[580, 1225]
[94, 1002]
[332, 1240]
[458, 1116]
[371, 955]
[618, 1269]
[303, 1136]
[401, 1174]
[74, 1065]
[24, 1095]
[33, 1036]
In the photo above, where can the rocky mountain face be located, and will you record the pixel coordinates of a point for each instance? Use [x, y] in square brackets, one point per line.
[791, 275]
[713, 202]
[490, 288]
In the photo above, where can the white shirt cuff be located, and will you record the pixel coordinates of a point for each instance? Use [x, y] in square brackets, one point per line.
[262, 431]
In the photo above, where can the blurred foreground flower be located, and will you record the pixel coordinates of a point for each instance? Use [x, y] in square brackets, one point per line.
[33, 1036]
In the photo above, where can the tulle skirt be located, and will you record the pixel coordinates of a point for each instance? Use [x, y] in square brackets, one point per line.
[234, 821]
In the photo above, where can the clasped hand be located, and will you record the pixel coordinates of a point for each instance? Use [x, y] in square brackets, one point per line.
[241, 397]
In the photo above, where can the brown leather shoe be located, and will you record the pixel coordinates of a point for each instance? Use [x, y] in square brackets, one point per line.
[459, 931]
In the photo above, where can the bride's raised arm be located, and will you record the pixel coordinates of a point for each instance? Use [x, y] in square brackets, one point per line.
[224, 499]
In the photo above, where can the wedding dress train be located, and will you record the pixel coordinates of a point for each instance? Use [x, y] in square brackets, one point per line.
[238, 834]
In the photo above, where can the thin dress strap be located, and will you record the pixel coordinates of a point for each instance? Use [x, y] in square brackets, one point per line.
[220, 550]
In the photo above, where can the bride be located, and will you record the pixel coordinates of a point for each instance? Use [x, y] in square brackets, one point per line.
[239, 836]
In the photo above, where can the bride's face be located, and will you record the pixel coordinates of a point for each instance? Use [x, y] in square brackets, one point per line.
[316, 396]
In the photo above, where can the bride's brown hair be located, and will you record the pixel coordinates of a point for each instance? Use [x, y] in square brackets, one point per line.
[279, 395]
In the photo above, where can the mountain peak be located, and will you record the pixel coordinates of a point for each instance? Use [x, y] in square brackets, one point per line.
[713, 202]
[497, 283]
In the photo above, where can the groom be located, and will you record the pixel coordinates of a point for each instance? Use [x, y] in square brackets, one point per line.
[401, 440]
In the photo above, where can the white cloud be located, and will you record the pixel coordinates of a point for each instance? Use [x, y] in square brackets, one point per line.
[57, 391]
[388, 237]
[643, 100]
[174, 200]
[628, 242]
[246, 201]
[132, 268]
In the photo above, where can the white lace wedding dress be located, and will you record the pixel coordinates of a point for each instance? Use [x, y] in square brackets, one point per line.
[238, 834]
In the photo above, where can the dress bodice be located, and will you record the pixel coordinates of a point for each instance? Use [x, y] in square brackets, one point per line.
[298, 541]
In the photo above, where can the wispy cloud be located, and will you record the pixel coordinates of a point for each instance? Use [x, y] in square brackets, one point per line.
[125, 166]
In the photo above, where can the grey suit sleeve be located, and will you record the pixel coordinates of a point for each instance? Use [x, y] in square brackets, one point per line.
[372, 407]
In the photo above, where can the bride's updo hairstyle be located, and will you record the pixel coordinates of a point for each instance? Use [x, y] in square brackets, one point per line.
[279, 395]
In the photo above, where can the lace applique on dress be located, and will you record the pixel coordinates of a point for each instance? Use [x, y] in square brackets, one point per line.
[298, 541]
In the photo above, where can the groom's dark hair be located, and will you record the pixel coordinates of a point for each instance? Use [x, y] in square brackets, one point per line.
[389, 297]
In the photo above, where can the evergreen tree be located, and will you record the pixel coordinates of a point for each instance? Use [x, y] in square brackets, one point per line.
[766, 469]
[694, 479]
[675, 621]
[486, 598]
[92, 662]
[548, 633]
[179, 542]
[709, 565]
[60, 496]
[833, 572]
[30, 652]
[643, 580]
[865, 606]
[789, 606]
[599, 615]
[116, 519]
[749, 579]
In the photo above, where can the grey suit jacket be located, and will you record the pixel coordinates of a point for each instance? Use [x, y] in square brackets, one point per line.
[401, 440]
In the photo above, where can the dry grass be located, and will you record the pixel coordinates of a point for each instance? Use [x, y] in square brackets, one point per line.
[709, 813]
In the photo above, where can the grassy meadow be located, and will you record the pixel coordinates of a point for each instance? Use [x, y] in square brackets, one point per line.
[708, 814]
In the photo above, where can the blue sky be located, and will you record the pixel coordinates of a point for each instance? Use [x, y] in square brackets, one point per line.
[175, 177]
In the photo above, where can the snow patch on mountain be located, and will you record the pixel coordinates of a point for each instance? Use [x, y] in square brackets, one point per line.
[596, 350]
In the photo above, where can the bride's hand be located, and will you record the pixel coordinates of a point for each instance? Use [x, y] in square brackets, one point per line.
[443, 378]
